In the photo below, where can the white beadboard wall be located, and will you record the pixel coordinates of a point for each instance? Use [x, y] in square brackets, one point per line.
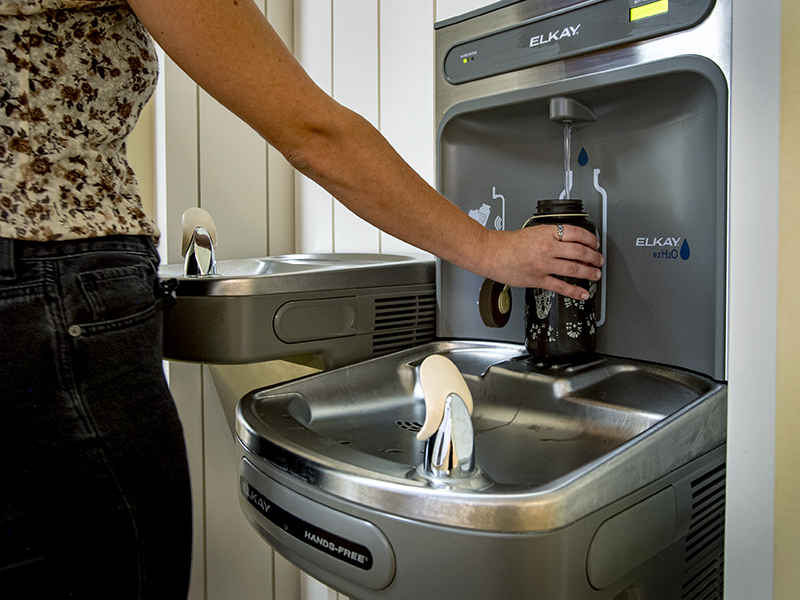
[374, 56]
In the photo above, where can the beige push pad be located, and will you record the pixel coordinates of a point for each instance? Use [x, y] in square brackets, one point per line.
[439, 378]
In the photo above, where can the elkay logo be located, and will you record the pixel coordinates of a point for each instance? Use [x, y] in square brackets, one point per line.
[658, 242]
[554, 36]
[668, 247]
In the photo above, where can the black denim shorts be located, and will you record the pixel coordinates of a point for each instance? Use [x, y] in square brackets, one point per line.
[94, 486]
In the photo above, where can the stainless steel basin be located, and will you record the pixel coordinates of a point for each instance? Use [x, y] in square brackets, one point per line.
[555, 444]
[341, 308]
[301, 272]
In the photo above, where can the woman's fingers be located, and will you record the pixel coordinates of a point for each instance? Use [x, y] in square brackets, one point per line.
[565, 289]
[575, 270]
[577, 235]
[534, 257]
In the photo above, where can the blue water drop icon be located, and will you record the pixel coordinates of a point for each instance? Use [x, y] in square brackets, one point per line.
[685, 251]
[583, 158]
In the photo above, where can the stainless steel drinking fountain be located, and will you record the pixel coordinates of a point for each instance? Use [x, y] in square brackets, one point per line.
[339, 308]
[597, 480]
[592, 480]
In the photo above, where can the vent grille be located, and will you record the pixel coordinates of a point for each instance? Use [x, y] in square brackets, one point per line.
[705, 540]
[404, 322]
[706, 584]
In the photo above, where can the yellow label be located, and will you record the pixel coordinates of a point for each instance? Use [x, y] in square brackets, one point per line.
[649, 10]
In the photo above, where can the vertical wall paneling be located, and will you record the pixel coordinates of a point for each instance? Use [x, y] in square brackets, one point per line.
[286, 578]
[312, 47]
[406, 89]
[180, 166]
[238, 560]
[187, 389]
[355, 85]
[280, 174]
[233, 180]
[311, 589]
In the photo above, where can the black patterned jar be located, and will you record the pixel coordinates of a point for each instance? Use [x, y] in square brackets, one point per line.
[557, 328]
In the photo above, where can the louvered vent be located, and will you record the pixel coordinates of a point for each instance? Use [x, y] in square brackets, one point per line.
[404, 322]
[706, 584]
[705, 540]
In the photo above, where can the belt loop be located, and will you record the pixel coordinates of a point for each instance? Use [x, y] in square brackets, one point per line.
[7, 270]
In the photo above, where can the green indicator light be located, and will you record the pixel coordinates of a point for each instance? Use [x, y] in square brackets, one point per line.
[466, 60]
[649, 10]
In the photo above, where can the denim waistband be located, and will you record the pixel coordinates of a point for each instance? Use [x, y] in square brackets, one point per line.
[13, 250]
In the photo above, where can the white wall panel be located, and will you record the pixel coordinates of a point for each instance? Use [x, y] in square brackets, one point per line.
[179, 171]
[280, 180]
[185, 381]
[355, 85]
[355, 56]
[377, 59]
[233, 180]
[312, 47]
[311, 589]
[286, 578]
[238, 560]
[240, 564]
[406, 89]
[280, 194]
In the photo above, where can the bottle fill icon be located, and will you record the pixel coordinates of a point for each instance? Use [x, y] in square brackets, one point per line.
[685, 251]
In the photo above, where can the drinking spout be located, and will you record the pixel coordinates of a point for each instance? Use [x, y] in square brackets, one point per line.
[200, 259]
[449, 453]
[199, 240]
[450, 448]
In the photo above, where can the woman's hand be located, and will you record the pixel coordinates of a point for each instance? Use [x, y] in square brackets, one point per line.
[535, 257]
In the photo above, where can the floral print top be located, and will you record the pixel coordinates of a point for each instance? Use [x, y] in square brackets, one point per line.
[74, 77]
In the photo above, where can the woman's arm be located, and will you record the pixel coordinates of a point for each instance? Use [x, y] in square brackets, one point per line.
[229, 49]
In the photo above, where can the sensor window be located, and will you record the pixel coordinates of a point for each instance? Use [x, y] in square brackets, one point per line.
[649, 10]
